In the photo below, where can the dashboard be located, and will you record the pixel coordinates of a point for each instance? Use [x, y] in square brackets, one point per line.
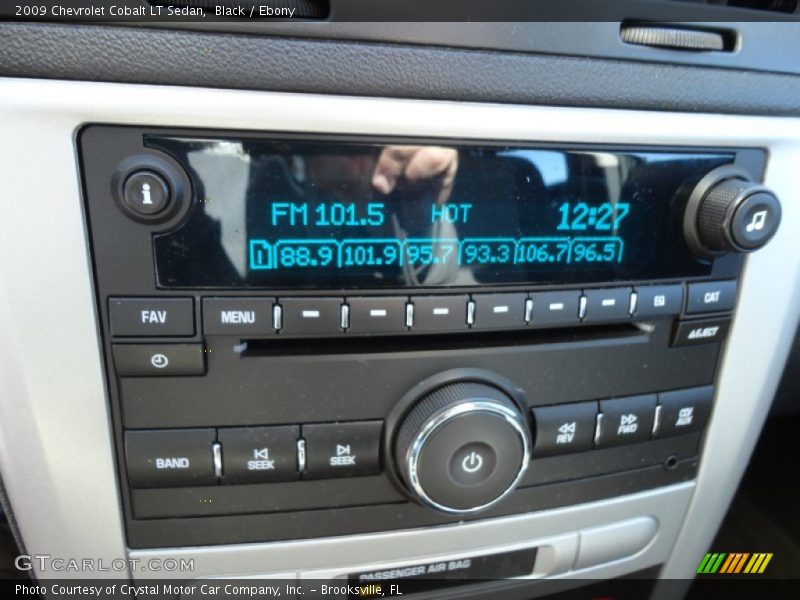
[466, 338]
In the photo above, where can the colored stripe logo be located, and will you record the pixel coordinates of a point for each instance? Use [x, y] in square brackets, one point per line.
[734, 563]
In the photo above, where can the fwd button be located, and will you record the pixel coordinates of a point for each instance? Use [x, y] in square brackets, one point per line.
[626, 420]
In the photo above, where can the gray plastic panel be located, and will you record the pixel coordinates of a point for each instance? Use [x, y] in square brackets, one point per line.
[334, 556]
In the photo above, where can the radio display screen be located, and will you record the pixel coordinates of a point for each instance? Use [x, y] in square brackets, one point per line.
[341, 215]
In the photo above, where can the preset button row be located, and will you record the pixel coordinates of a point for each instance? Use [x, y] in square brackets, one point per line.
[567, 428]
[246, 455]
[321, 316]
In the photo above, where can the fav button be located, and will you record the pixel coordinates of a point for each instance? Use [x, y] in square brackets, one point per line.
[137, 317]
[237, 316]
[158, 360]
[259, 454]
[715, 296]
[564, 428]
[170, 458]
[342, 449]
[626, 420]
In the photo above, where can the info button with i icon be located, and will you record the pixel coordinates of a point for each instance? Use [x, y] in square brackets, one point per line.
[146, 193]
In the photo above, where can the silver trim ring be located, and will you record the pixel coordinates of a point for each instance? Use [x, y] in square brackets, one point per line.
[440, 418]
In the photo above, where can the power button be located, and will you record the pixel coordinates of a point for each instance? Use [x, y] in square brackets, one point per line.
[472, 464]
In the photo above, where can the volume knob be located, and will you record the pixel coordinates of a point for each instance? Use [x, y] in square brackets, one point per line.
[732, 215]
[462, 447]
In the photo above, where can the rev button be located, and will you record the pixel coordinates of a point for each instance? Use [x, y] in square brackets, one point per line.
[565, 428]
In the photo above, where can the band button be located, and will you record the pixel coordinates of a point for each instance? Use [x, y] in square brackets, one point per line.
[170, 458]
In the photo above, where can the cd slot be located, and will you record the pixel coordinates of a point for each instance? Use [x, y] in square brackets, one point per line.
[278, 346]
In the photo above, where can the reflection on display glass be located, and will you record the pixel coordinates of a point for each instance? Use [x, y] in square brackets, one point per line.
[297, 214]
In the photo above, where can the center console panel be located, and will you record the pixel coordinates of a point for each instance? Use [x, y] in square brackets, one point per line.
[304, 338]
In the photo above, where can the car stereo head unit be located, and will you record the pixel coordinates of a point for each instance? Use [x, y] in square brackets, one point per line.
[279, 315]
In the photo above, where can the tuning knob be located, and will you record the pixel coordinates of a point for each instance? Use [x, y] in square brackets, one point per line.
[730, 213]
[462, 447]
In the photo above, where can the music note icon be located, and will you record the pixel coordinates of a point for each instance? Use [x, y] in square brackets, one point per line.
[757, 223]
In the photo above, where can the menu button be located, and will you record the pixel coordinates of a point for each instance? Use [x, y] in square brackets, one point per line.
[237, 316]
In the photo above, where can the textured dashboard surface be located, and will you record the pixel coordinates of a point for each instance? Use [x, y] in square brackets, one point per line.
[138, 55]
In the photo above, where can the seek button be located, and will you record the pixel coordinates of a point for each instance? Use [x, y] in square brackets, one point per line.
[259, 454]
[342, 449]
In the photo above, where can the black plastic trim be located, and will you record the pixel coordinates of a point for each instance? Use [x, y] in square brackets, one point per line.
[122, 54]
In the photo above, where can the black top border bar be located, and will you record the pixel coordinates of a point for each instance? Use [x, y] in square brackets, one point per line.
[143, 12]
